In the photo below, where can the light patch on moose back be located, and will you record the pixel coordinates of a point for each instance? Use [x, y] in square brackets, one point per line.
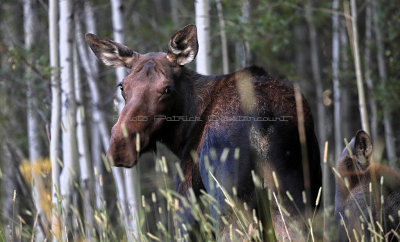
[244, 84]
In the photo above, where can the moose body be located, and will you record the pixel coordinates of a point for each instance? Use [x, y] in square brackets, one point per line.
[369, 203]
[247, 117]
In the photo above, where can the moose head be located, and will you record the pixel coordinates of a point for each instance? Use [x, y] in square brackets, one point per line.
[357, 156]
[149, 90]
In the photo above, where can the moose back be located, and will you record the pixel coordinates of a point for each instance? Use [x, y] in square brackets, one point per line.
[248, 117]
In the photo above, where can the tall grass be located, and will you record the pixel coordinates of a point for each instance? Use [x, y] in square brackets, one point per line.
[160, 208]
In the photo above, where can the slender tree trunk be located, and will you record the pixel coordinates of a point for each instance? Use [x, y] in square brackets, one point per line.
[353, 32]
[55, 118]
[368, 67]
[347, 129]
[224, 42]
[97, 165]
[329, 180]
[68, 111]
[99, 130]
[30, 30]
[131, 182]
[245, 18]
[83, 151]
[203, 60]
[126, 181]
[243, 47]
[316, 72]
[337, 112]
[387, 122]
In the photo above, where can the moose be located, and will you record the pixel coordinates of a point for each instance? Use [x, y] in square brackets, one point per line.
[367, 199]
[248, 117]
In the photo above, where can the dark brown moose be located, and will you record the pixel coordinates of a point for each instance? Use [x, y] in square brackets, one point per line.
[248, 117]
[367, 200]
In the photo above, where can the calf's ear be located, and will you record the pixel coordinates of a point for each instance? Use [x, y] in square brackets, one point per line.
[111, 53]
[363, 147]
[183, 45]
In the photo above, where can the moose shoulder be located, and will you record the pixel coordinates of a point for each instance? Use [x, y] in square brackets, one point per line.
[236, 123]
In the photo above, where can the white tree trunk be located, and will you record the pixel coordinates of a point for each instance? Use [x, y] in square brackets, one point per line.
[337, 112]
[119, 36]
[244, 47]
[328, 179]
[89, 63]
[96, 147]
[316, 72]
[83, 151]
[203, 60]
[68, 109]
[353, 32]
[224, 42]
[125, 181]
[99, 131]
[55, 117]
[368, 68]
[131, 181]
[30, 24]
[387, 122]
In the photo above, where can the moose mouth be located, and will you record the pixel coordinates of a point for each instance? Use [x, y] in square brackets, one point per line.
[122, 157]
[128, 164]
[125, 155]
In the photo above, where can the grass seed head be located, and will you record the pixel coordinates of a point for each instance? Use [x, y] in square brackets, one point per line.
[289, 196]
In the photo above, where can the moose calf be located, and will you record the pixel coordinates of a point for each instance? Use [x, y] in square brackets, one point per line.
[367, 200]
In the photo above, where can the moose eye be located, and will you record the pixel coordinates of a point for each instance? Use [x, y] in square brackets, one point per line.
[121, 87]
[167, 90]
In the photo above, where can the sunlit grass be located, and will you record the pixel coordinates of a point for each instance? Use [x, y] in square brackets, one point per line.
[159, 211]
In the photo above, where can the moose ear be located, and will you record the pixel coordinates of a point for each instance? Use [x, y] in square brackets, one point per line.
[111, 53]
[183, 45]
[363, 146]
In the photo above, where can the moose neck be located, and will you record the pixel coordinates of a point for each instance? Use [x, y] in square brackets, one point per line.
[196, 95]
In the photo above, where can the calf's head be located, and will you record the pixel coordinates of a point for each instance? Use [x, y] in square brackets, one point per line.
[149, 90]
[357, 156]
[366, 193]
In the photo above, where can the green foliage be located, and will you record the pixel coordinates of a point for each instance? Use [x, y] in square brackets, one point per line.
[23, 59]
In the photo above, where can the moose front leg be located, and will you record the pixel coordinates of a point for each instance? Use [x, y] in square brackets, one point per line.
[188, 206]
[225, 169]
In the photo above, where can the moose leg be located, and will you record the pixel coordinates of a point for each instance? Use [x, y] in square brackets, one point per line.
[225, 169]
[188, 226]
[279, 160]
